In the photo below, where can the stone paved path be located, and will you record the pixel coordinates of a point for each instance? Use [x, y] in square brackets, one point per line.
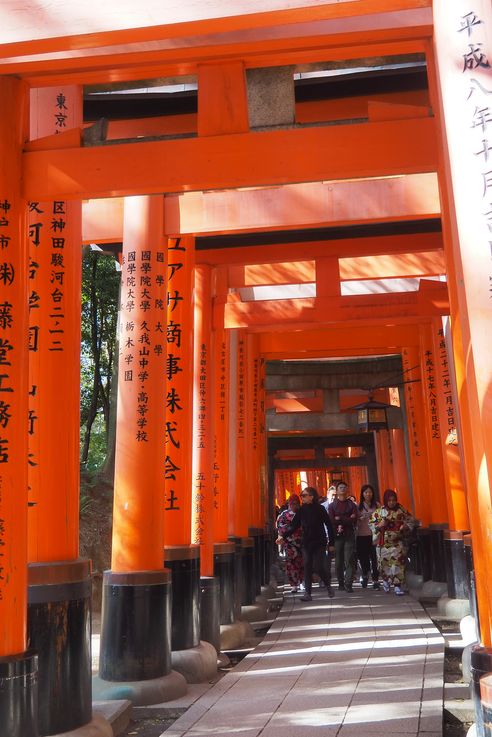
[366, 663]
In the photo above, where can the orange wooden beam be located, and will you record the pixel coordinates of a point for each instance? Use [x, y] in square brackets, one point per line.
[428, 263]
[306, 112]
[349, 247]
[28, 32]
[240, 160]
[428, 302]
[415, 196]
[292, 205]
[127, 67]
[361, 338]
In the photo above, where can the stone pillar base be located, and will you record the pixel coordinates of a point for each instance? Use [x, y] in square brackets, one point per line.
[453, 609]
[196, 664]
[141, 693]
[481, 669]
[235, 635]
[98, 727]
[255, 612]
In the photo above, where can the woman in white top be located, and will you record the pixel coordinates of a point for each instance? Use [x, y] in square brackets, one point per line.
[366, 552]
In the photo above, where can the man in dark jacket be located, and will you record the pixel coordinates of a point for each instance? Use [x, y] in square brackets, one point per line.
[315, 523]
[343, 515]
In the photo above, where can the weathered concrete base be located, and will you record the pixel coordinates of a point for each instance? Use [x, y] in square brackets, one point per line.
[255, 612]
[268, 592]
[98, 727]
[414, 582]
[431, 590]
[466, 662]
[196, 664]
[117, 713]
[235, 635]
[453, 609]
[141, 693]
[468, 629]
[223, 660]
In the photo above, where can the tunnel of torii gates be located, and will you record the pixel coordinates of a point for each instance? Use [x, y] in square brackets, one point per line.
[253, 188]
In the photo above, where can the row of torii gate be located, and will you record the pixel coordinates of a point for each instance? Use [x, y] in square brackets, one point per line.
[191, 462]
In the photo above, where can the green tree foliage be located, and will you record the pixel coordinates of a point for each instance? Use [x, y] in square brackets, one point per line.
[100, 296]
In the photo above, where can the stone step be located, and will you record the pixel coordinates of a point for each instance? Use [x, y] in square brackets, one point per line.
[116, 712]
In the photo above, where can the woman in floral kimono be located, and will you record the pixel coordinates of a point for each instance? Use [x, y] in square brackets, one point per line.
[390, 525]
[292, 544]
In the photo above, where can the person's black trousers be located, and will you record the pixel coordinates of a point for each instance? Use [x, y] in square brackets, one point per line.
[366, 554]
[316, 558]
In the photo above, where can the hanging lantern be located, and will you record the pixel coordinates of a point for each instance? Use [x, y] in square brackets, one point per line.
[371, 415]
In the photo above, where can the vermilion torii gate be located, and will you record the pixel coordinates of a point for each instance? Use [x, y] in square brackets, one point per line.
[356, 186]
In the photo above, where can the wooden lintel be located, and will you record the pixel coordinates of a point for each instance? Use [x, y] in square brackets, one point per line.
[240, 160]
[327, 310]
[68, 139]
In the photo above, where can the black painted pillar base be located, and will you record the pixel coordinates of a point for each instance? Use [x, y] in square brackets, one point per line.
[248, 572]
[456, 571]
[255, 533]
[472, 589]
[184, 564]
[59, 630]
[238, 575]
[481, 665]
[210, 611]
[19, 695]
[268, 556]
[224, 572]
[425, 553]
[135, 626]
[438, 554]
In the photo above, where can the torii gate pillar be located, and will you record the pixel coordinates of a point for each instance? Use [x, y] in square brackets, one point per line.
[18, 668]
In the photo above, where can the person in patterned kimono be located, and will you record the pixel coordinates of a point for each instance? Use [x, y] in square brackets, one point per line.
[390, 525]
[292, 544]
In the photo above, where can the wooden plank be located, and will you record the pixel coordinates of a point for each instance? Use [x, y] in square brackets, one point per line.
[240, 160]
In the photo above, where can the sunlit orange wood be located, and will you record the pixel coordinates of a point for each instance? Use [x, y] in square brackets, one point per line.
[360, 337]
[416, 435]
[370, 246]
[102, 220]
[462, 87]
[450, 435]
[221, 349]
[159, 126]
[355, 107]
[429, 387]
[377, 35]
[139, 483]
[400, 469]
[385, 460]
[179, 392]
[432, 301]
[54, 357]
[14, 371]
[29, 33]
[375, 267]
[238, 160]
[222, 99]
[202, 520]
[391, 111]
[314, 204]
[241, 499]
[253, 389]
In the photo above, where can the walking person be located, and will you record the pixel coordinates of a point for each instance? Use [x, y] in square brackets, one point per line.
[314, 521]
[343, 514]
[294, 565]
[366, 552]
[391, 525]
